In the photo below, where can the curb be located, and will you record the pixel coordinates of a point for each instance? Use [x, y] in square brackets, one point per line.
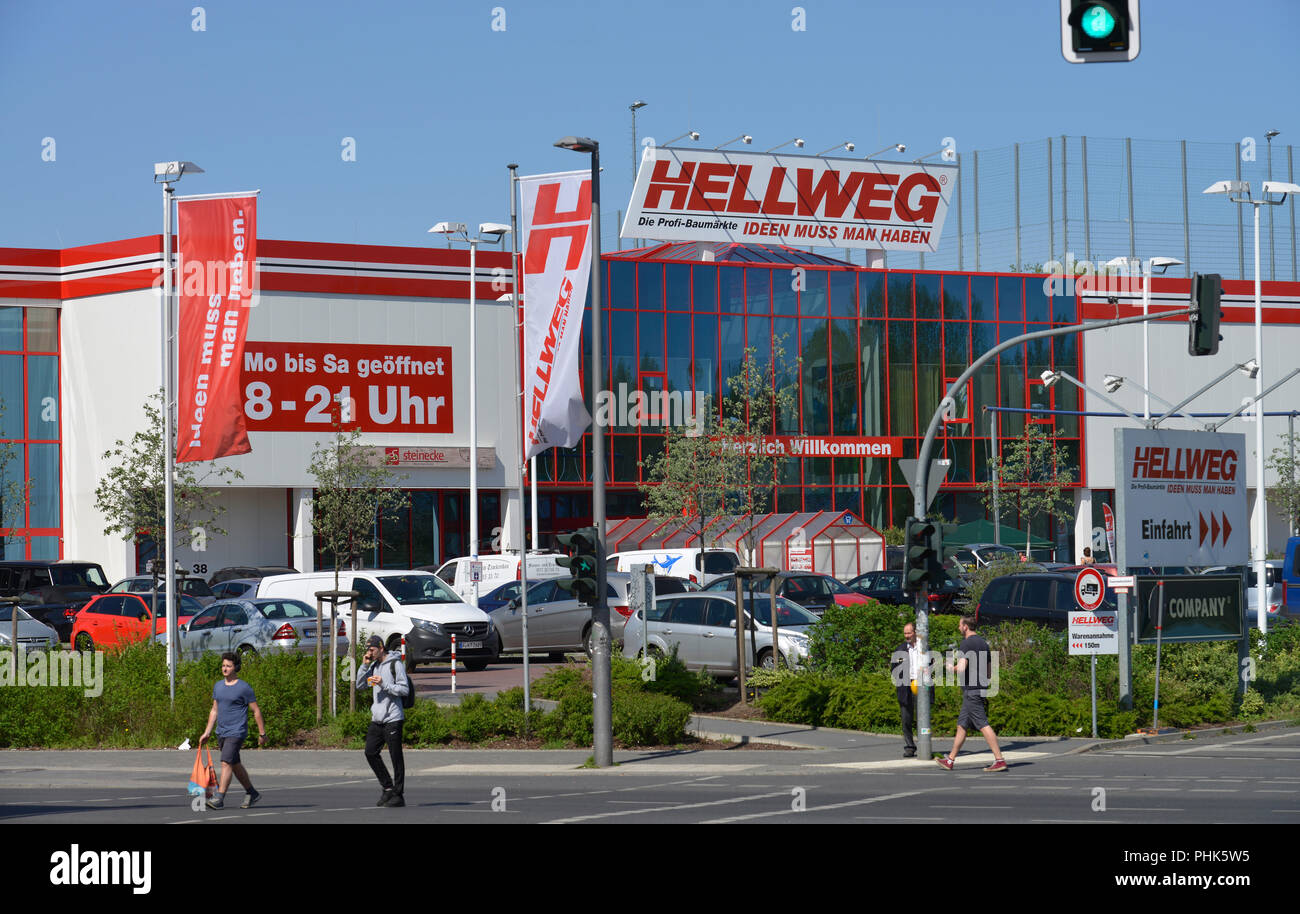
[1185, 735]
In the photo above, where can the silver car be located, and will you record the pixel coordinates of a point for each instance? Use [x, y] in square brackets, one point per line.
[254, 626]
[1273, 580]
[143, 583]
[33, 635]
[558, 623]
[703, 627]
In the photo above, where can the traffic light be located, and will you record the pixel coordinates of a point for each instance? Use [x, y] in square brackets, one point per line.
[921, 558]
[1203, 323]
[1097, 31]
[581, 562]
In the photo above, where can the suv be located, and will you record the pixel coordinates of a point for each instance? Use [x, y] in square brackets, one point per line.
[1043, 597]
[52, 592]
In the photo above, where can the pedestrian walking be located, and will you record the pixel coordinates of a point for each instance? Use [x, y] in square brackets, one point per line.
[907, 668]
[972, 668]
[390, 684]
[232, 699]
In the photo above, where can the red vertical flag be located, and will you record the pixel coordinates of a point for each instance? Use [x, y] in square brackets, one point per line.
[217, 241]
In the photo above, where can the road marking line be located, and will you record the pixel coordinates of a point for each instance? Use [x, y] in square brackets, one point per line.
[633, 812]
[970, 807]
[786, 812]
[1081, 821]
[906, 818]
[1212, 790]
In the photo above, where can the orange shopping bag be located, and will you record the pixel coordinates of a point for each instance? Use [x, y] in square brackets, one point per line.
[203, 779]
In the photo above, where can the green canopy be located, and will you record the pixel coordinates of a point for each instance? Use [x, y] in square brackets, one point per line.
[981, 531]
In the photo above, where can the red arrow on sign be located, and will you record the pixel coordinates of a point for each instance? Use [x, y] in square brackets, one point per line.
[1227, 528]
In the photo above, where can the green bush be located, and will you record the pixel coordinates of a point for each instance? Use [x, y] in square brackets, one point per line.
[799, 700]
[859, 638]
[648, 719]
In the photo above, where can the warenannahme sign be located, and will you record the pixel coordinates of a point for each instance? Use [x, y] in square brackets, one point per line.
[722, 196]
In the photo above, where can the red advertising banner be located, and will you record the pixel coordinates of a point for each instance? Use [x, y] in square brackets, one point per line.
[299, 387]
[217, 248]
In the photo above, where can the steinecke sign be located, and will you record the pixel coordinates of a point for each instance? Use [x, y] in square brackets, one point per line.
[720, 196]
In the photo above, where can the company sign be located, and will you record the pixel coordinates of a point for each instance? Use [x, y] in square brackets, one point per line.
[1181, 498]
[720, 196]
[433, 457]
[1201, 607]
[306, 387]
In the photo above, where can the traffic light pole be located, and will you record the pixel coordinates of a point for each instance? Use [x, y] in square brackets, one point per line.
[922, 501]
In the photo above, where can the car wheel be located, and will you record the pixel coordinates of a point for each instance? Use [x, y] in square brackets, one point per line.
[588, 645]
[246, 651]
[765, 660]
[476, 666]
[84, 642]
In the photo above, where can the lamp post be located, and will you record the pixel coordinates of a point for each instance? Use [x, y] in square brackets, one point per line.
[632, 107]
[1152, 263]
[167, 174]
[744, 138]
[693, 134]
[798, 141]
[1239, 192]
[496, 231]
[602, 710]
[1272, 265]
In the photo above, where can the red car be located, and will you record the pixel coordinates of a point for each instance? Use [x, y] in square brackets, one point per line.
[116, 619]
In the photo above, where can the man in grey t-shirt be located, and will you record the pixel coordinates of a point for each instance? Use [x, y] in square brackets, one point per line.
[232, 699]
[973, 669]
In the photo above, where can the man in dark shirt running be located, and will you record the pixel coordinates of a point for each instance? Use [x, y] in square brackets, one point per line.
[973, 669]
[232, 699]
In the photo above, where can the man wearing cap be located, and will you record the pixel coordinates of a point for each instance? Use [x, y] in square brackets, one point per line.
[387, 677]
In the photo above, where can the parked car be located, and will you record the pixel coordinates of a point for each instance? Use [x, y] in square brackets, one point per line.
[254, 626]
[500, 596]
[52, 592]
[1276, 600]
[557, 622]
[702, 626]
[887, 587]
[974, 556]
[116, 619]
[33, 635]
[144, 583]
[703, 566]
[414, 605]
[235, 587]
[814, 592]
[497, 569]
[253, 572]
[1043, 597]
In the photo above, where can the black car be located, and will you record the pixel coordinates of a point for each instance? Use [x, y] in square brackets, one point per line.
[248, 571]
[52, 592]
[1042, 597]
[887, 587]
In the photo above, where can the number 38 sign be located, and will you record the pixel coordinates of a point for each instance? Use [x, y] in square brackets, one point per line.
[301, 387]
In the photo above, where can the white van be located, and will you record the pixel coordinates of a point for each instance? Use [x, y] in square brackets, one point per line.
[699, 565]
[396, 604]
[497, 570]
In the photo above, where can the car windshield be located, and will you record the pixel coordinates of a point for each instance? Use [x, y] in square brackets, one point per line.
[78, 576]
[195, 587]
[787, 613]
[7, 613]
[409, 589]
[718, 562]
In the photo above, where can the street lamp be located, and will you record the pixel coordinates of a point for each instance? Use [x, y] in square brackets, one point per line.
[744, 138]
[487, 231]
[798, 141]
[846, 146]
[897, 147]
[602, 710]
[693, 134]
[632, 107]
[1272, 265]
[1239, 192]
[919, 159]
[1153, 263]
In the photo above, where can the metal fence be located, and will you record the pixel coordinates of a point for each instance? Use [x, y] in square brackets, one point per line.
[1098, 198]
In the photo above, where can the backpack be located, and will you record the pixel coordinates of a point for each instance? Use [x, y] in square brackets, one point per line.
[408, 700]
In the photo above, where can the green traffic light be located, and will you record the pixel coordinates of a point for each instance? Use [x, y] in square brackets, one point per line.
[1097, 22]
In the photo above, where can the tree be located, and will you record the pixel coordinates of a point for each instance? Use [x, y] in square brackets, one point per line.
[724, 467]
[354, 487]
[132, 493]
[1034, 477]
[1286, 492]
[15, 488]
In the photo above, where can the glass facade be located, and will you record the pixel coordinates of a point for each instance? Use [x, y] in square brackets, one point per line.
[30, 433]
[869, 353]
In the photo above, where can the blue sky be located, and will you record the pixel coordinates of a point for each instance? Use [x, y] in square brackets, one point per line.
[438, 101]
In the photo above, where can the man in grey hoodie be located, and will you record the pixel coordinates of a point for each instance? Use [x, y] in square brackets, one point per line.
[387, 676]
